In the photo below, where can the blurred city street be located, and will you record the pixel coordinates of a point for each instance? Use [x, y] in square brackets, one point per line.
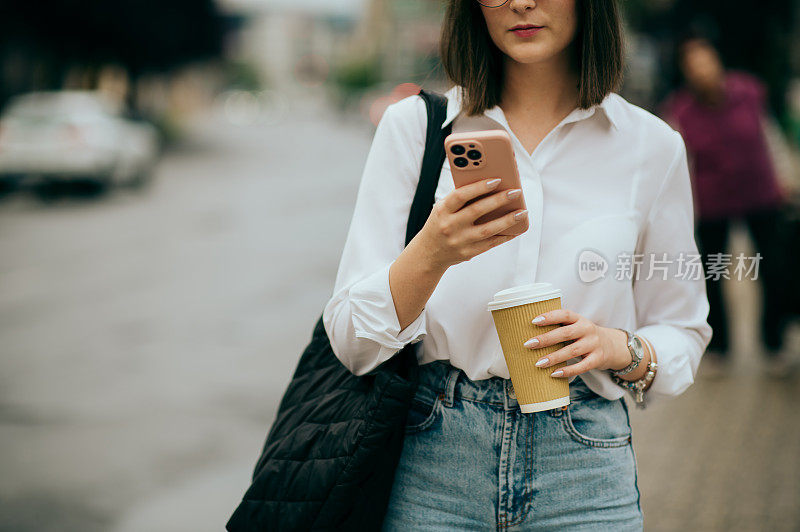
[147, 338]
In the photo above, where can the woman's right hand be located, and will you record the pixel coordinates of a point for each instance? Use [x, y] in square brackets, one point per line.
[450, 235]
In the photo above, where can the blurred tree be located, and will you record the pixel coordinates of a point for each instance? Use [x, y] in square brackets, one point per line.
[145, 37]
[352, 77]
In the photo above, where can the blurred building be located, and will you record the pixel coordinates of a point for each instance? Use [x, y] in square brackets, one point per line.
[295, 44]
[292, 44]
[404, 35]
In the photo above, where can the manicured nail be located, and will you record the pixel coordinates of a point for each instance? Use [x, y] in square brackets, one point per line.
[521, 214]
[542, 362]
[493, 183]
[513, 193]
[557, 373]
[532, 342]
[537, 319]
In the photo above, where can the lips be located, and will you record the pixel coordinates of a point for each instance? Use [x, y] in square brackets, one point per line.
[525, 31]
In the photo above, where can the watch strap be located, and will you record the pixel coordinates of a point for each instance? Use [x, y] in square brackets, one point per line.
[635, 359]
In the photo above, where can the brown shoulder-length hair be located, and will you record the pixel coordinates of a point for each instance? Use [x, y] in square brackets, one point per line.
[471, 59]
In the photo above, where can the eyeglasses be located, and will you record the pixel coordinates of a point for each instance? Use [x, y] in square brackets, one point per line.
[492, 3]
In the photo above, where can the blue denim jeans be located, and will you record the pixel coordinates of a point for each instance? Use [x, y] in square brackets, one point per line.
[472, 460]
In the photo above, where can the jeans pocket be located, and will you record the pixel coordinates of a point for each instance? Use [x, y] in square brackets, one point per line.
[425, 409]
[596, 421]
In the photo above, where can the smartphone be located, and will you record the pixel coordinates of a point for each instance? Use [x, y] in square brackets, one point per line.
[479, 155]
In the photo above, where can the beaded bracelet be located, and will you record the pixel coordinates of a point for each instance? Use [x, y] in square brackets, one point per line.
[637, 387]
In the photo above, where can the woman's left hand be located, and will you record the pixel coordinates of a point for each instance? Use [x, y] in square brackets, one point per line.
[599, 346]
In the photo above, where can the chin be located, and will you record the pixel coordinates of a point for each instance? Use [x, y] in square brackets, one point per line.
[530, 56]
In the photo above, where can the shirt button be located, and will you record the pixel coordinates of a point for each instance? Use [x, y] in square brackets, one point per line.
[511, 392]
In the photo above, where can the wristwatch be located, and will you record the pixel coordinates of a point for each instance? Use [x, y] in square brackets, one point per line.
[637, 353]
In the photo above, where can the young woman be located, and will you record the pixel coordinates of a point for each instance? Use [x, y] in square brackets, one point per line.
[603, 180]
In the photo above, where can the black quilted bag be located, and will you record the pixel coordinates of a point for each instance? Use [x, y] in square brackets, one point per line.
[329, 458]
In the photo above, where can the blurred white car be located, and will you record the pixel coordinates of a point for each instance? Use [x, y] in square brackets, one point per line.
[70, 135]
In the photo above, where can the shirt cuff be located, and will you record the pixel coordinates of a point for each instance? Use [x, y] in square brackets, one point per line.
[677, 363]
[375, 317]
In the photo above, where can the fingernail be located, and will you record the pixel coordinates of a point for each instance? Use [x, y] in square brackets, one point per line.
[513, 193]
[532, 342]
[493, 183]
[537, 319]
[521, 214]
[542, 362]
[557, 373]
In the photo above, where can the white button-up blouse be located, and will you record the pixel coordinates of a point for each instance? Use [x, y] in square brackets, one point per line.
[611, 216]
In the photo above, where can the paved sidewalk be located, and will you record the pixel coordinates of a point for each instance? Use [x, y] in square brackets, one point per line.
[725, 455]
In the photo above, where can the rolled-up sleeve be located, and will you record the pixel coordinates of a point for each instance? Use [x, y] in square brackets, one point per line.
[672, 306]
[360, 318]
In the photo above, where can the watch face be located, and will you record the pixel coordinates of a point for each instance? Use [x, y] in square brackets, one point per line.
[637, 346]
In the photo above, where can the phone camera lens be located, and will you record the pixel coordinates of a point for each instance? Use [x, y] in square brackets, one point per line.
[474, 154]
[461, 162]
[457, 149]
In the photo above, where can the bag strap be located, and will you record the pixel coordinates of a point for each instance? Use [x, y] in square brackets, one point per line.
[436, 104]
[421, 207]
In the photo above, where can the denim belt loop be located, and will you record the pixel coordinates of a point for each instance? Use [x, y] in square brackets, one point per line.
[510, 397]
[449, 392]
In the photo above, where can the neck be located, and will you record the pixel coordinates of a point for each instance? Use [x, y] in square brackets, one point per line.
[711, 95]
[545, 90]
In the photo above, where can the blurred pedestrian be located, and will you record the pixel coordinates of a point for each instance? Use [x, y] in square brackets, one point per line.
[722, 116]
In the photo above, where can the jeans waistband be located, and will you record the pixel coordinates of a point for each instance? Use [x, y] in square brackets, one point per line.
[448, 382]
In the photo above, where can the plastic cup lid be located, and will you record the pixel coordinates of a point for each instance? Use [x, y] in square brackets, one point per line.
[523, 294]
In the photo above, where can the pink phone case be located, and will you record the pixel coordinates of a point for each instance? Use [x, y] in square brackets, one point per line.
[479, 155]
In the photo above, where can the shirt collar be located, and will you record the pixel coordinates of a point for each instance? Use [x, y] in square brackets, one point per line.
[608, 105]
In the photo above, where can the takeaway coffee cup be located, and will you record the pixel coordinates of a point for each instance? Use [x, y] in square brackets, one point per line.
[512, 310]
